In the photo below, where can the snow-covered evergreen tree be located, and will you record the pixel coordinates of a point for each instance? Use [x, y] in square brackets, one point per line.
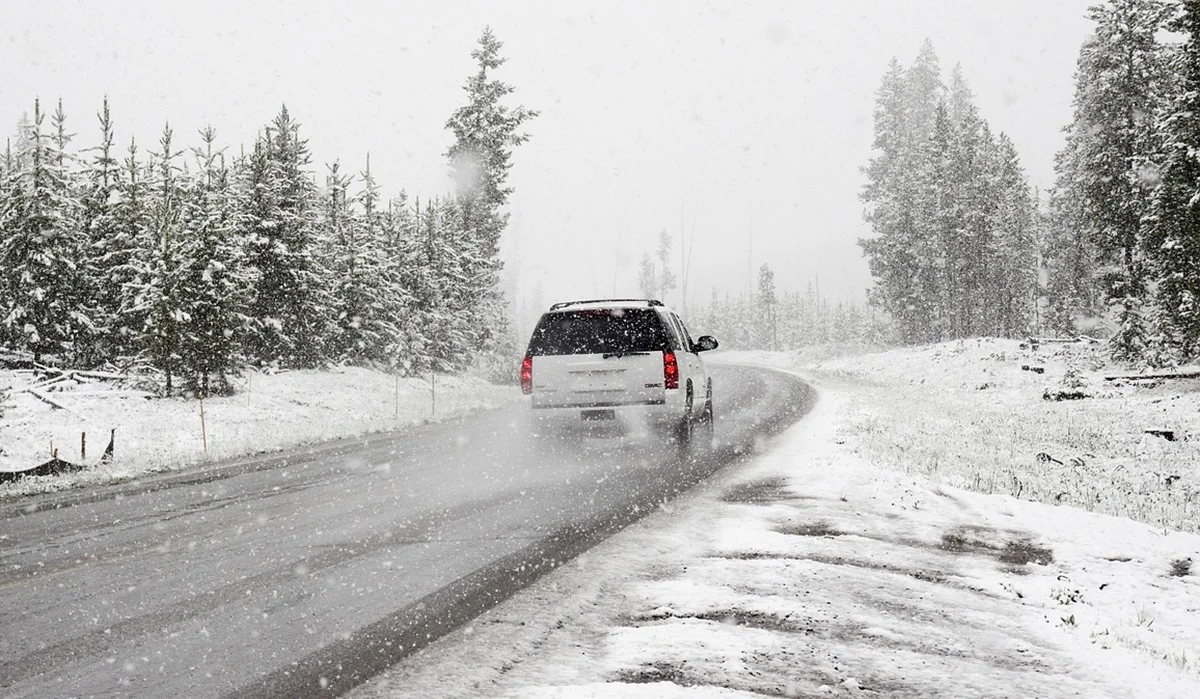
[290, 304]
[1173, 224]
[965, 227]
[1069, 257]
[442, 291]
[1111, 146]
[344, 253]
[938, 246]
[951, 251]
[161, 296]
[194, 270]
[368, 295]
[123, 261]
[104, 247]
[401, 250]
[214, 280]
[1012, 251]
[898, 250]
[485, 133]
[767, 303]
[42, 295]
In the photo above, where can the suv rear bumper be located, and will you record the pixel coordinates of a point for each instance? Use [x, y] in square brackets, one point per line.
[598, 418]
[601, 404]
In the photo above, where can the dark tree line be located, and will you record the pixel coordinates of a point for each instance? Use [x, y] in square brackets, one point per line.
[197, 262]
[953, 249]
[1123, 241]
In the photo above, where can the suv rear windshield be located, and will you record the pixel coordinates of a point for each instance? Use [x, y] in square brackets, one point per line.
[599, 331]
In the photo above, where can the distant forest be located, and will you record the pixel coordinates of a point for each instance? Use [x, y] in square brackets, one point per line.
[195, 263]
[961, 247]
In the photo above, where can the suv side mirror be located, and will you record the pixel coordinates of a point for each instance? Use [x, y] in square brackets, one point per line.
[706, 343]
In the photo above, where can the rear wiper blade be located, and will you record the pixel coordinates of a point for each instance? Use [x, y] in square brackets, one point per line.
[611, 355]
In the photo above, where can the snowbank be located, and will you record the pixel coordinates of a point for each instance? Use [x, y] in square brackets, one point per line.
[979, 415]
[269, 412]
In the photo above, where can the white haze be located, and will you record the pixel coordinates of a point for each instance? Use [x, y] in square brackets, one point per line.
[744, 123]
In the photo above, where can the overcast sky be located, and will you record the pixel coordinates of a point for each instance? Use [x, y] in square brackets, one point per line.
[740, 121]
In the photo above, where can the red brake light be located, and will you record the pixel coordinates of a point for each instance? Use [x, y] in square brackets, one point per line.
[527, 376]
[670, 370]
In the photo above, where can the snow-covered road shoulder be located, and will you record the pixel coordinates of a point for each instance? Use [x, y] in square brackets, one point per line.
[269, 412]
[813, 571]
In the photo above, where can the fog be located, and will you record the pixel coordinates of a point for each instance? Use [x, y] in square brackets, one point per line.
[743, 125]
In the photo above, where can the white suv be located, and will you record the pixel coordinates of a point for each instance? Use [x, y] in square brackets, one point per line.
[618, 365]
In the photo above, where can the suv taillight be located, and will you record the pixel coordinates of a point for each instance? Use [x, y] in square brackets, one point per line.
[527, 375]
[670, 370]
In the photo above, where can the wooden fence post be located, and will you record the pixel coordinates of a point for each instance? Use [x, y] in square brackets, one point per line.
[203, 426]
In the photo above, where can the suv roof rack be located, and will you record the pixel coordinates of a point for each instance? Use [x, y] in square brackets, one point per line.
[564, 304]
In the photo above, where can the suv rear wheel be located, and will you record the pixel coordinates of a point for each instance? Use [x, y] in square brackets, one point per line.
[686, 425]
[705, 432]
[700, 431]
[683, 435]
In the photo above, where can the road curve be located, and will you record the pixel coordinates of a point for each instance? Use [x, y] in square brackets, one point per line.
[306, 573]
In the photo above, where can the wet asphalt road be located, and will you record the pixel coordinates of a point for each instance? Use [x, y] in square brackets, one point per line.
[306, 573]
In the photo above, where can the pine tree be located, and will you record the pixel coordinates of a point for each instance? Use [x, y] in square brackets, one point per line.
[9, 191]
[388, 301]
[368, 295]
[345, 251]
[888, 196]
[767, 301]
[479, 312]
[42, 308]
[161, 296]
[123, 261]
[214, 282]
[290, 304]
[401, 250]
[922, 93]
[1111, 143]
[446, 323]
[1070, 258]
[952, 252]
[974, 197]
[1013, 248]
[416, 234]
[901, 197]
[62, 139]
[938, 246]
[1173, 235]
[485, 132]
[105, 249]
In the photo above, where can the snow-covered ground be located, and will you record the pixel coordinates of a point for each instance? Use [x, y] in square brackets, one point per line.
[269, 412]
[905, 539]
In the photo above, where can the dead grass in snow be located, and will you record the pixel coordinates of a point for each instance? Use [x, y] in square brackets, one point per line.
[973, 418]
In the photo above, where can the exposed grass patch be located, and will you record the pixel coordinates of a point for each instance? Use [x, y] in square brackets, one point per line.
[1024, 552]
[759, 492]
[1014, 553]
[821, 528]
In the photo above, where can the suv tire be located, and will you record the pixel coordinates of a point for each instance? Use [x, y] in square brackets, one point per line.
[706, 431]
